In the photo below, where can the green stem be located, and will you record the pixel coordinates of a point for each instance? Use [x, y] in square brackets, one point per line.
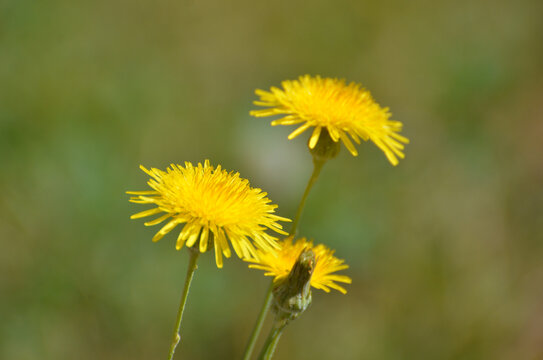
[317, 167]
[194, 253]
[271, 342]
[259, 323]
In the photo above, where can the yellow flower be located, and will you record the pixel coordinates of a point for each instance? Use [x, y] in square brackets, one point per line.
[214, 205]
[279, 264]
[335, 107]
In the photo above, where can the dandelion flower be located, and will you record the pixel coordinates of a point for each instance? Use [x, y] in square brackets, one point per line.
[334, 107]
[279, 264]
[214, 205]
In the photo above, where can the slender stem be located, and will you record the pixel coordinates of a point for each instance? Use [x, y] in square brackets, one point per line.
[194, 253]
[271, 342]
[317, 167]
[259, 323]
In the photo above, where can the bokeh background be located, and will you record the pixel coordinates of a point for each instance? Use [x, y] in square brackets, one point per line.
[445, 249]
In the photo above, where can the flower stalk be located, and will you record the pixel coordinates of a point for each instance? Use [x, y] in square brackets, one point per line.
[194, 254]
[271, 342]
[323, 150]
[259, 322]
[318, 163]
[317, 167]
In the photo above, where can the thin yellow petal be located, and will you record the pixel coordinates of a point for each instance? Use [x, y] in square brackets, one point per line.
[315, 137]
[389, 154]
[180, 241]
[193, 236]
[286, 121]
[203, 239]
[263, 113]
[165, 229]
[237, 248]
[220, 241]
[146, 213]
[298, 131]
[348, 144]
[334, 134]
[150, 192]
[158, 220]
[218, 257]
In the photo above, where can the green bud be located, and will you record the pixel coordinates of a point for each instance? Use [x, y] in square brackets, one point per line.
[292, 296]
[326, 148]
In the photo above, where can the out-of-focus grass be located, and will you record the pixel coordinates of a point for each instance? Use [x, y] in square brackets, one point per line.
[445, 250]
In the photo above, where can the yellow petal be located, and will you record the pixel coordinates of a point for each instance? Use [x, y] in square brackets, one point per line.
[315, 137]
[348, 144]
[287, 121]
[165, 229]
[236, 246]
[218, 257]
[158, 220]
[180, 241]
[193, 236]
[333, 133]
[221, 238]
[298, 131]
[149, 192]
[203, 239]
[146, 213]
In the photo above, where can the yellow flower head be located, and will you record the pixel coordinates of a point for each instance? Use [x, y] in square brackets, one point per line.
[279, 264]
[338, 108]
[215, 205]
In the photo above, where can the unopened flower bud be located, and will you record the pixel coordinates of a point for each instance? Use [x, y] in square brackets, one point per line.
[292, 296]
[326, 148]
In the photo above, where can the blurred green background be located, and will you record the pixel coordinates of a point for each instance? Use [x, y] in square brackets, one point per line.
[445, 249]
